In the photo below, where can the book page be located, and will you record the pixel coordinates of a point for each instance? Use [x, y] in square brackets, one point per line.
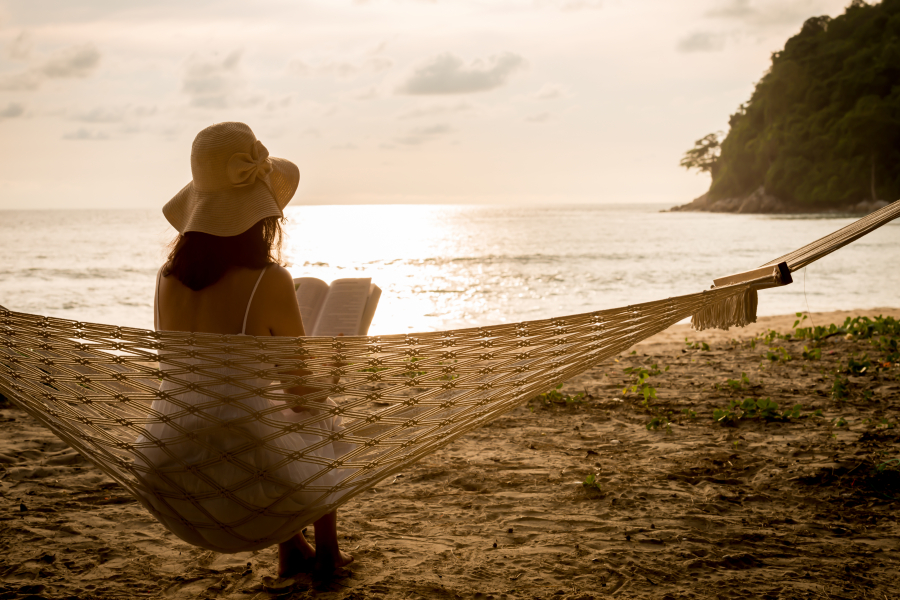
[311, 294]
[343, 307]
[369, 311]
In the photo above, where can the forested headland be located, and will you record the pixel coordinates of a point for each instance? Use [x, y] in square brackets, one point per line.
[821, 130]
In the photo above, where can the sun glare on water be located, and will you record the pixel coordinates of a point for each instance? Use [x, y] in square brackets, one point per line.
[402, 248]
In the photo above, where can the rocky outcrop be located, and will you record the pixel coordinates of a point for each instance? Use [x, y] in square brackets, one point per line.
[759, 202]
[867, 206]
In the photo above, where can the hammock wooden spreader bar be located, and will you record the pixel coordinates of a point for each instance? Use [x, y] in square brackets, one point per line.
[200, 428]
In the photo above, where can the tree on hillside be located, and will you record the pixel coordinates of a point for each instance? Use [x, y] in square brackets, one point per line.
[822, 126]
[704, 155]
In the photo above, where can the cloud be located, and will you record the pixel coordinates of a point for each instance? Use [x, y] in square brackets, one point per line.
[280, 104]
[20, 47]
[25, 81]
[538, 118]
[764, 14]
[448, 74]
[82, 134]
[342, 69]
[112, 114]
[74, 62]
[701, 41]
[212, 83]
[739, 9]
[102, 115]
[12, 111]
[369, 93]
[421, 135]
[551, 91]
[436, 110]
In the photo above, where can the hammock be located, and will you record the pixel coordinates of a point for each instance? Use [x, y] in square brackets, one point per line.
[198, 427]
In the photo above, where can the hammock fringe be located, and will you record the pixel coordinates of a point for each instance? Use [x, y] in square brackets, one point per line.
[740, 310]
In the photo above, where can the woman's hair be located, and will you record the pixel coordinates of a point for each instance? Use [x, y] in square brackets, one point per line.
[199, 259]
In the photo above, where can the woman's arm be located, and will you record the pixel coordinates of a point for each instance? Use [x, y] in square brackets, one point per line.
[281, 315]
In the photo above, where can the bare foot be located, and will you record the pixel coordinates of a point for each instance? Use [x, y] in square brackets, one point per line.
[326, 562]
[295, 556]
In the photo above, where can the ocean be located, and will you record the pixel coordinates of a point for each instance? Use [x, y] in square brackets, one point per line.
[445, 267]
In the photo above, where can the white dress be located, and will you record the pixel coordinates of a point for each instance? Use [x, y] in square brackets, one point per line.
[221, 489]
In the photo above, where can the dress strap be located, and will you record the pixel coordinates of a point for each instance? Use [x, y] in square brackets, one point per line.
[250, 301]
[156, 299]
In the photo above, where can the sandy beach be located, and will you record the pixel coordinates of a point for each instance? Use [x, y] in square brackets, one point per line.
[790, 507]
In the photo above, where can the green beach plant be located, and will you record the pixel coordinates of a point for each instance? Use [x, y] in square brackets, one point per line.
[764, 409]
[702, 346]
[858, 366]
[779, 354]
[555, 396]
[736, 385]
[811, 354]
[592, 483]
[640, 382]
[661, 421]
[892, 464]
[840, 388]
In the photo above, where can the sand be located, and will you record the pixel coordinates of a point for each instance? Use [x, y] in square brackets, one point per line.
[761, 509]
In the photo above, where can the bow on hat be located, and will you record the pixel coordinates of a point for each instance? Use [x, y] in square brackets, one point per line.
[245, 167]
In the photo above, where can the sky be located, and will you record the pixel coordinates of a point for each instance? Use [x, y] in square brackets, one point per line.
[379, 101]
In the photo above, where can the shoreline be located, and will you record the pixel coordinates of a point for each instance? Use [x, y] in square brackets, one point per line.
[760, 202]
[673, 337]
[696, 509]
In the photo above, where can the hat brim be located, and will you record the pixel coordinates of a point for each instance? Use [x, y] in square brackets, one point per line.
[233, 210]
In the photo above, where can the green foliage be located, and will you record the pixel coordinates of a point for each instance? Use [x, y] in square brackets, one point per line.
[866, 328]
[640, 382]
[771, 335]
[696, 345]
[778, 353]
[555, 396]
[704, 155]
[758, 408]
[817, 333]
[858, 366]
[840, 389]
[736, 385]
[822, 126]
[661, 421]
[591, 482]
[885, 424]
[888, 465]
[814, 354]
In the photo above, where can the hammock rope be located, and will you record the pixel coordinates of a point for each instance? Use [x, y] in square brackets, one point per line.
[201, 430]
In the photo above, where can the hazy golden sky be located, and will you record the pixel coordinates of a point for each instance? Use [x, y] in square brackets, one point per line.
[379, 101]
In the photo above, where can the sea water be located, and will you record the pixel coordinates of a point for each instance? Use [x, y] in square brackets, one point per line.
[444, 267]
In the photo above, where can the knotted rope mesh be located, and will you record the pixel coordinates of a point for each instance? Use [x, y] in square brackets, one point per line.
[201, 430]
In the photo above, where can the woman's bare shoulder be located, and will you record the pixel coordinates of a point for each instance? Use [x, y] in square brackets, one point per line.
[280, 274]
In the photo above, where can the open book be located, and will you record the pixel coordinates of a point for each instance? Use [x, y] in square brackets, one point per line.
[344, 307]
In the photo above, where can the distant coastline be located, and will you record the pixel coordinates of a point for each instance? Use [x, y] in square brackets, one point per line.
[761, 202]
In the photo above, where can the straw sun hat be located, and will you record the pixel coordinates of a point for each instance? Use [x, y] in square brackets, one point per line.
[235, 183]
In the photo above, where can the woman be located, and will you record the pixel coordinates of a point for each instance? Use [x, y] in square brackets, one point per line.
[223, 275]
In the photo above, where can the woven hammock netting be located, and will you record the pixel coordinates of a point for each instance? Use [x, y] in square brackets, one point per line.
[200, 428]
